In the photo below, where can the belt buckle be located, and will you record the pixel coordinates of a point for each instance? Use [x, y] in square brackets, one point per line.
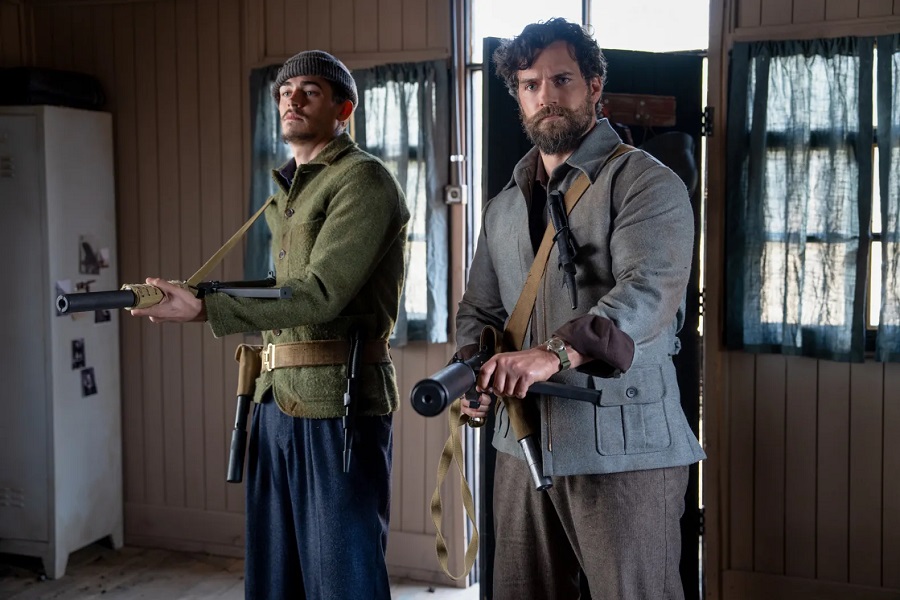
[268, 357]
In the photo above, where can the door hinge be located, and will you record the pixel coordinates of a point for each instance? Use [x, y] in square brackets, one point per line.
[706, 121]
[701, 521]
[701, 302]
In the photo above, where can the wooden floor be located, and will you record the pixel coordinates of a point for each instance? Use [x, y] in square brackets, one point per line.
[141, 573]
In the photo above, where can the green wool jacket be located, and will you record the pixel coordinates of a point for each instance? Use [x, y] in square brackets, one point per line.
[339, 242]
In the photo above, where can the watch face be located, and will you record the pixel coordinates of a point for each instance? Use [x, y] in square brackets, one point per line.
[556, 344]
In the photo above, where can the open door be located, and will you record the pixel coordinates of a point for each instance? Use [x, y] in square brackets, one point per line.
[678, 76]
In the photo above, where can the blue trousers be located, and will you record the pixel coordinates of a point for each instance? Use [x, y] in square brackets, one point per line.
[314, 531]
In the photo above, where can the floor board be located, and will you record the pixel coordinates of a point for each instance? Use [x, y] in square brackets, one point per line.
[98, 572]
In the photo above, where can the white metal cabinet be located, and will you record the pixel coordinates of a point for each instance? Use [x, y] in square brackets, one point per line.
[60, 430]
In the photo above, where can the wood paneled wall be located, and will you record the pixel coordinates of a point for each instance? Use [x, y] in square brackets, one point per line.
[802, 484]
[176, 76]
[361, 32]
[762, 13]
[14, 39]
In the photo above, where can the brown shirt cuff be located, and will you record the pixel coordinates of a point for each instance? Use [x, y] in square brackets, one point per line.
[611, 348]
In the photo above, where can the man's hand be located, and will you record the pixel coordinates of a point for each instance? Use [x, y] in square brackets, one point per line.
[177, 305]
[476, 409]
[512, 373]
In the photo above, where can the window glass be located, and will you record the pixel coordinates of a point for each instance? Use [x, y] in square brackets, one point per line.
[651, 25]
[507, 18]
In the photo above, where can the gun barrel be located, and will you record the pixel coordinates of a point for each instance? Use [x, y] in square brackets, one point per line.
[431, 396]
[72, 303]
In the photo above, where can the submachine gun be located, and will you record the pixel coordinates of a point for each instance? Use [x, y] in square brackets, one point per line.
[431, 396]
[144, 295]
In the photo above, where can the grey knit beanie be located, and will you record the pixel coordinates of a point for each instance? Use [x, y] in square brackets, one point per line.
[318, 64]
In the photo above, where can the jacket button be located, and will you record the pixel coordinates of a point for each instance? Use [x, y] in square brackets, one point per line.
[289, 213]
[276, 332]
[631, 392]
[281, 254]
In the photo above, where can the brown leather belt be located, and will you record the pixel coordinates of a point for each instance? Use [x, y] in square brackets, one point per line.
[319, 353]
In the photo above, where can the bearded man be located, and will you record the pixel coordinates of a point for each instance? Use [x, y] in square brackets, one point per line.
[620, 468]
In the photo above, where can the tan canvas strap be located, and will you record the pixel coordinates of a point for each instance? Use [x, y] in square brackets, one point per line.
[452, 452]
[216, 258]
[320, 353]
[514, 335]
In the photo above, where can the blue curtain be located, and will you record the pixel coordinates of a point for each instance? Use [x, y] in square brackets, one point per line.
[798, 206]
[887, 345]
[403, 118]
[267, 152]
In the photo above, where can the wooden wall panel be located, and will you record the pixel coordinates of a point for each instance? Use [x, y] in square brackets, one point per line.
[833, 474]
[235, 104]
[189, 216]
[875, 8]
[775, 12]
[343, 27]
[297, 23]
[768, 473]
[891, 467]
[127, 204]
[148, 252]
[210, 126]
[800, 468]
[839, 10]
[13, 36]
[412, 464]
[365, 26]
[169, 253]
[318, 29]
[749, 13]
[808, 11]
[277, 26]
[415, 14]
[390, 30]
[866, 414]
[741, 401]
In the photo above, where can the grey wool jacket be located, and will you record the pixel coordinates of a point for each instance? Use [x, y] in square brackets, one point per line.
[634, 229]
[339, 242]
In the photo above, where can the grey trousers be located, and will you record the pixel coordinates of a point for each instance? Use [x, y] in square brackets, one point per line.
[622, 529]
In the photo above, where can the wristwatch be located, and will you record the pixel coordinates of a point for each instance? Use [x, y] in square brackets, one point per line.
[558, 347]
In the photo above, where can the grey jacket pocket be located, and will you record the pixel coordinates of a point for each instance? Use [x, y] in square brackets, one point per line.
[631, 418]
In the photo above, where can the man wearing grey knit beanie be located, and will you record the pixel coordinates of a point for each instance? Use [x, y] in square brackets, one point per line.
[319, 459]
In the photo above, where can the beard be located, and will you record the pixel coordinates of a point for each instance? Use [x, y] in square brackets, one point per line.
[560, 136]
[294, 135]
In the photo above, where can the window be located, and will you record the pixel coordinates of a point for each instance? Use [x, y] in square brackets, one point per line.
[403, 119]
[799, 205]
